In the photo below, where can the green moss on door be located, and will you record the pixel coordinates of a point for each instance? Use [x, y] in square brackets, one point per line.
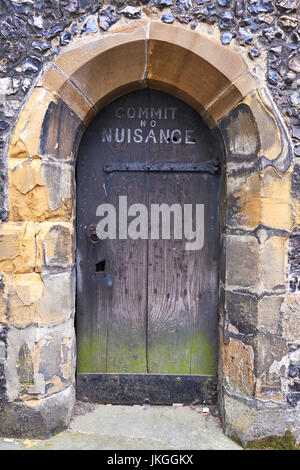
[167, 354]
[182, 354]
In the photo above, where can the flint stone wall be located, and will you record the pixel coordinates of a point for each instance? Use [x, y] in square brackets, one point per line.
[259, 324]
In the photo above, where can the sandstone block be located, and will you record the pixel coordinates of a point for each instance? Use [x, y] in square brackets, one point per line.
[291, 317]
[268, 348]
[242, 261]
[39, 418]
[25, 140]
[269, 131]
[268, 318]
[58, 83]
[97, 73]
[56, 304]
[200, 68]
[243, 200]
[56, 362]
[40, 190]
[241, 311]
[241, 134]
[60, 132]
[55, 245]
[274, 263]
[238, 364]
[17, 247]
[276, 208]
[25, 292]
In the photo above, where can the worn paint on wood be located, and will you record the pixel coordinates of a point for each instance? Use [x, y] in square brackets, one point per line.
[146, 306]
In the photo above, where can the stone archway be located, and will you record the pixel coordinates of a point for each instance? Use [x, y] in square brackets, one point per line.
[39, 286]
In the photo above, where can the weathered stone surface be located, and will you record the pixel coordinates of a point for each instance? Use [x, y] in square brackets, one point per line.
[294, 263]
[164, 62]
[238, 367]
[57, 302]
[17, 247]
[58, 178]
[248, 422]
[241, 261]
[5, 283]
[268, 318]
[241, 311]
[59, 84]
[60, 340]
[240, 131]
[25, 140]
[107, 18]
[56, 362]
[291, 318]
[226, 37]
[238, 417]
[276, 209]
[269, 348]
[40, 191]
[28, 246]
[10, 243]
[25, 175]
[7, 86]
[28, 287]
[293, 375]
[220, 107]
[274, 263]
[25, 367]
[58, 246]
[59, 132]
[294, 64]
[270, 386]
[132, 12]
[168, 18]
[94, 71]
[38, 419]
[24, 295]
[89, 27]
[32, 299]
[243, 203]
[55, 245]
[269, 132]
[3, 356]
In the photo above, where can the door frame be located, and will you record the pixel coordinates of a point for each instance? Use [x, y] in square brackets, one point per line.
[122, 384]
[214, 80]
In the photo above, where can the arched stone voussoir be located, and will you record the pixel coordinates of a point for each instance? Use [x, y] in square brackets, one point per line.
[92, 69]
[92, 72]
[210, 77]
[60, 85]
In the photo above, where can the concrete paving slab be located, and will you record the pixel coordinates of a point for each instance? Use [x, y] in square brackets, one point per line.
[104, 427]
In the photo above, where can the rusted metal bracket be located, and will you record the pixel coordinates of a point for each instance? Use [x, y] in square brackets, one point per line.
[154, 389]
[211, 167]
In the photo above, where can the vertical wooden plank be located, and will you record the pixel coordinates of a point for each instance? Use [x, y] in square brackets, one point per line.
[111, 304]
[182, 285]
[127, 261]
[182, 301]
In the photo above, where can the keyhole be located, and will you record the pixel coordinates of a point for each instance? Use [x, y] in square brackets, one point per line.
[100, 266]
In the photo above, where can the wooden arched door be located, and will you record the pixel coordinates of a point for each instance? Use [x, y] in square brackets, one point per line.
[147, 296]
